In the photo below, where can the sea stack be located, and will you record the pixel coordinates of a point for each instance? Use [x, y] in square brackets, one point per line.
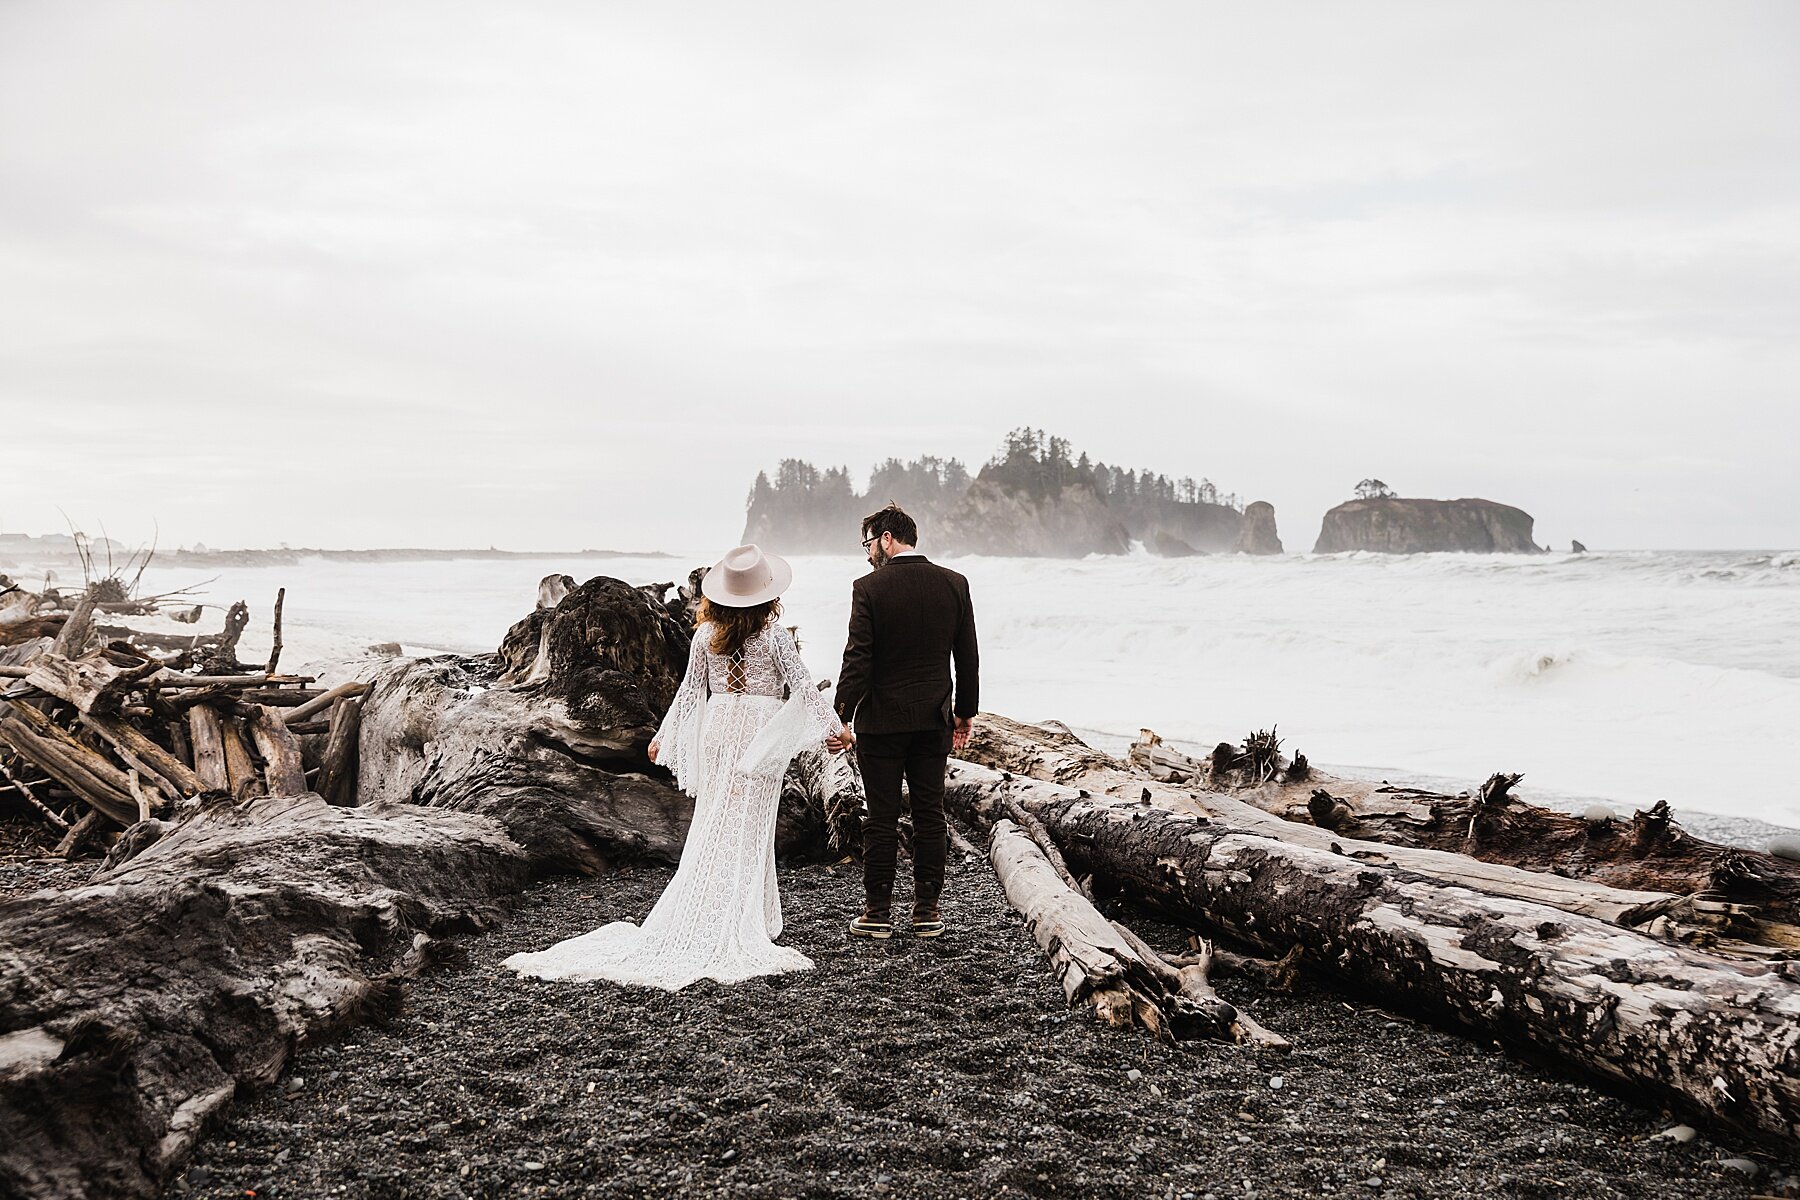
[1257, 534]
[998, 517]
[1392, 525]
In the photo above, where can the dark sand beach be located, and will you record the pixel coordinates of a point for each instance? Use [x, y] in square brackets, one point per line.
[907, 1069]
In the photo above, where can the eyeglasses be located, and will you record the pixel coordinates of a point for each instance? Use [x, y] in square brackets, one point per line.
[867, 542]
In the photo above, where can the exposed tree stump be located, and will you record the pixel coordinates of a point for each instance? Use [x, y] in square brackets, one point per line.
[563, 760]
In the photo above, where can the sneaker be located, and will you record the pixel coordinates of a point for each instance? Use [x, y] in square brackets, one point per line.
[927, 922]
[872, 926]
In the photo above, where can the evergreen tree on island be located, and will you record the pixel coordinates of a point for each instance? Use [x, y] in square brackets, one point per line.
[805, 510]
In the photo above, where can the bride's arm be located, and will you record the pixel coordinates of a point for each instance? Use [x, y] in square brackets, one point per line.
[688, 697]
[794, 674]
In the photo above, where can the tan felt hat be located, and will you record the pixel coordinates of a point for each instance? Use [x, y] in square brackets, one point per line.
[747, 576]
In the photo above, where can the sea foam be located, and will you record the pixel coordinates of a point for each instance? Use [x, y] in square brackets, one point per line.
[1624, 677]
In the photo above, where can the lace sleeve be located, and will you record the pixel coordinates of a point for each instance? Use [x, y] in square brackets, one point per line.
[800, 684]
[802, 722]
[682, 727]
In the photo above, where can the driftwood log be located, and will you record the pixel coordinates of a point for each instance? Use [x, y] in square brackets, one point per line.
[1102, 964]
[1709, 1033]
[133, 1009]
[1695, 914]
[1646, 852]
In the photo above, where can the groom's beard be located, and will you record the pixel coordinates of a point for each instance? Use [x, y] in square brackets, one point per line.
[878, 557]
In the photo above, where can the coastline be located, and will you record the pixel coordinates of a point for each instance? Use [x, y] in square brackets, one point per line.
[292, 557]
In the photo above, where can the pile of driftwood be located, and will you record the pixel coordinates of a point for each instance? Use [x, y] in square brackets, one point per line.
[103, 726]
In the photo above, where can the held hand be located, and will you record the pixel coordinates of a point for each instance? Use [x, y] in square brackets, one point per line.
[655, 749]
[959, 737]
[840, 741]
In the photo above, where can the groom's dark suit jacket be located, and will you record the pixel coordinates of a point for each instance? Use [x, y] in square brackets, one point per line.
[908, 620]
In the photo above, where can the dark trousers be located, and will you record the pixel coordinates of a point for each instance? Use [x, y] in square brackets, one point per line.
[917, 757]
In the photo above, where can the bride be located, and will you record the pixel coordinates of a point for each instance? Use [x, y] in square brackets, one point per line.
[728, 738]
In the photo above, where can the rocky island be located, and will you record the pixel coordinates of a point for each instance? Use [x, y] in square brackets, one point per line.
[1036, 498]
[1396, 525]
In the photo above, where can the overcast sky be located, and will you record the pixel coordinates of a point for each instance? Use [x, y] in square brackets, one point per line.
[567, 275]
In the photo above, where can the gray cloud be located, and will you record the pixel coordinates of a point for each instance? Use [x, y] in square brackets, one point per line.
[567, 275]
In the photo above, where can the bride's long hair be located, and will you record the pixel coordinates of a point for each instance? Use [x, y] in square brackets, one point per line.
[733, 626]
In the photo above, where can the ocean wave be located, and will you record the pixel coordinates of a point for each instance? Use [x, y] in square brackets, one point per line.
[1595, 674]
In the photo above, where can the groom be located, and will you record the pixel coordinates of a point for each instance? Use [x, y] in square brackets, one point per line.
[908, 619]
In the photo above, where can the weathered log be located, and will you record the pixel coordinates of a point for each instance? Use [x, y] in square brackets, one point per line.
[85, 827]
[71, 641]
[136, 746]
[525, 649]
[174, 644]
[89, 683]
[70, 772]
[239, 767]
[221, 653]
[276, 697]
[63, 758]
[1711, 1034]
[1052, 852]
[182, 679]
[208, 738]
[206, 952]
[324, 700]
[1190, 980]
[1651, 853]
[176, 727]
[1092, 962]
[337, 769]
[275, 647]
[25, 789]
[1058, 756]
[280, 751]
[31, 628]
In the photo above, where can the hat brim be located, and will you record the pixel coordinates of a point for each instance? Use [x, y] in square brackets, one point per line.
[781, 574]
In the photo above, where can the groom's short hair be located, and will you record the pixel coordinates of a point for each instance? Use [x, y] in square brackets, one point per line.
[892, 519]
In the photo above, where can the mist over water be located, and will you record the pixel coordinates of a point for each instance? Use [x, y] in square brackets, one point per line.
[1623, 676]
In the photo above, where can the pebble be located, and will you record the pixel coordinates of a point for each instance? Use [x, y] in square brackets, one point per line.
[1134, 1074]
[1276, 1082]
[1786, 846]
[1748, 1168]
[1676, 1133]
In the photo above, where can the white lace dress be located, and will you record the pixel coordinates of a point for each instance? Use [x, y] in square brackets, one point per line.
[728, 738]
